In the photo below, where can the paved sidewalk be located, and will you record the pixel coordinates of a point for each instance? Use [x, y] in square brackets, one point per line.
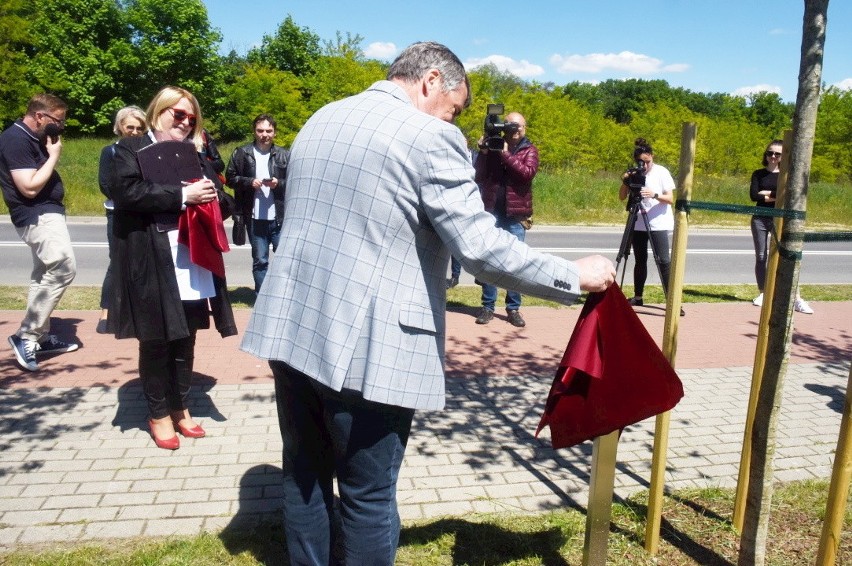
[77, 463]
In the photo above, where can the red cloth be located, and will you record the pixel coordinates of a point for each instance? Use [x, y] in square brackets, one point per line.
[612, 374]
[200, 229]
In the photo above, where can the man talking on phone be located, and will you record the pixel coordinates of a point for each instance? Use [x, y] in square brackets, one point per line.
[258, 174]
[34, 194]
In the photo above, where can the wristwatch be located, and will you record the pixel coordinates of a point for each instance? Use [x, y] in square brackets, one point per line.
[656, 195]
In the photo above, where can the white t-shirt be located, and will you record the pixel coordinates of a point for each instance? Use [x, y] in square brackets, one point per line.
[660, 216]
[264, 202]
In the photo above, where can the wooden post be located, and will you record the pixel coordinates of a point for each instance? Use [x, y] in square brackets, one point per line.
[760, 347]
[673, 303]
[599, 509]
[842, 471]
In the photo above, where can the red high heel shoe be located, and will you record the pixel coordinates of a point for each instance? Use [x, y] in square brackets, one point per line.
[194, 432]
[172, 443]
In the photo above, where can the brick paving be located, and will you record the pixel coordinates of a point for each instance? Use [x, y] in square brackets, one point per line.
[77, 463]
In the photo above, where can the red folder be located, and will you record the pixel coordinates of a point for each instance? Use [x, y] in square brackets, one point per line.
[200, 229]
[612, 374]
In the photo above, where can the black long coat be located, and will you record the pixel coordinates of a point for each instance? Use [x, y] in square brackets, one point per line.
[146, 302]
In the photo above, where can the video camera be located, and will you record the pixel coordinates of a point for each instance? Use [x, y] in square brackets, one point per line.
[495, 129]
[635, 181]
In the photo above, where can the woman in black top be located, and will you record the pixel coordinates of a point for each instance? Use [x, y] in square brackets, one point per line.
[764, 185]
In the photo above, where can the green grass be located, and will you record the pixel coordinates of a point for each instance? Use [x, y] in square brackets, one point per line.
[561, 197]
[88, 297]
[696, 530]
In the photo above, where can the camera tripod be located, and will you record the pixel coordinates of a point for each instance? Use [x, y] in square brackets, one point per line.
[635, 209]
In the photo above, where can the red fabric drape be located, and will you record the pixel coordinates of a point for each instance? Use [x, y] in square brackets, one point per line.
[612, 374]
[200, 229]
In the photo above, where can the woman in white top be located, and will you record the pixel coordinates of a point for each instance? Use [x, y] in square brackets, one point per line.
[656, 197]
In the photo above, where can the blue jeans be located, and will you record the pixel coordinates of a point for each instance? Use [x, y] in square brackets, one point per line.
[326, 434]
[489, 292]
[455, 267]
[262, 234]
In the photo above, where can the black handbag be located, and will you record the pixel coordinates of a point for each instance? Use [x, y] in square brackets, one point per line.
[238, 233]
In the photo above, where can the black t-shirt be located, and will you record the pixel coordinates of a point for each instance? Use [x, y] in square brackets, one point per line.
[20, 148]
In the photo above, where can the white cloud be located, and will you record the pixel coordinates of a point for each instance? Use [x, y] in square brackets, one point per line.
[845, 84]
[634, 64]
[381, 50]
[745, 91]
[521, 69]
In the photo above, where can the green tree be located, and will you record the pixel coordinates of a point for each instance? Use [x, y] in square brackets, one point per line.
[292, 49]
[15, 41]
[833, 141]
[339, 77]
[767, 109]
[80, 48]
[270, 91]
[175, 45]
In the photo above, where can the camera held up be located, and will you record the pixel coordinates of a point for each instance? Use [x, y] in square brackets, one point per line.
[635, 180]
[495, 130]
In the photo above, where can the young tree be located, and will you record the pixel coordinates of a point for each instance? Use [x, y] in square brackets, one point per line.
[759, 497]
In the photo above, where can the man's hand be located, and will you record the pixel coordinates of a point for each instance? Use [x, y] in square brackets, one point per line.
[597, 273]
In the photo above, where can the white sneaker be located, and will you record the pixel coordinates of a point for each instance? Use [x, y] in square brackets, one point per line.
[758, 300]
[802, 305]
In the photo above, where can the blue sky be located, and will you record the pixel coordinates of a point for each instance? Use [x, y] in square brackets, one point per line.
[731, 46]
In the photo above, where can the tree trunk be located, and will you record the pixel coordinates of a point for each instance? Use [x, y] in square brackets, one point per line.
[759, 498]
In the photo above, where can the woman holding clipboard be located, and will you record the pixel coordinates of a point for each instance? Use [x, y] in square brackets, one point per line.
[162, 294]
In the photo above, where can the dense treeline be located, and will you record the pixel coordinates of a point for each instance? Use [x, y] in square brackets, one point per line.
[103, 54]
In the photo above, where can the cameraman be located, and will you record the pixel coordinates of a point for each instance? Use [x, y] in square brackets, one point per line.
[654, 197]
[505, 180]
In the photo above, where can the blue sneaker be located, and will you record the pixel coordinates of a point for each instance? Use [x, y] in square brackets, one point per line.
[50, 344]
[25, 351]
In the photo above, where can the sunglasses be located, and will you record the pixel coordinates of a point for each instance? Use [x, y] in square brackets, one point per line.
[181, 115]
[773, 154]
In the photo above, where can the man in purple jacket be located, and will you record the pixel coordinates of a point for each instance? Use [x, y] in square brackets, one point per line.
[505, 179]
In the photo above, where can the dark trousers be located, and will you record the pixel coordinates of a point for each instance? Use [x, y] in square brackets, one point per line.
[660, 239]
[328, 433]
[166, 372]
[761, 229]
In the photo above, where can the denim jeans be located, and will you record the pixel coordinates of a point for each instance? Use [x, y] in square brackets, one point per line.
[262, 234]
[489, 292]
[326, 434]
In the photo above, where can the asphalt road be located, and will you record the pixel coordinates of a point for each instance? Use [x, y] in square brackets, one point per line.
[713, 256]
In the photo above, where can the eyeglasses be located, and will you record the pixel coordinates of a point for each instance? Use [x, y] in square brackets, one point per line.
[181, 115]
[135, 128]
[54, 118]
[773, 154]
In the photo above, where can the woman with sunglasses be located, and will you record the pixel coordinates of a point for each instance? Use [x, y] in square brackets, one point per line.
[162, 298]
[129, 122]
[764, 184]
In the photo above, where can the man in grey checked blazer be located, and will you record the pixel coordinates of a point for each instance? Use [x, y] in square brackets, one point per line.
[352, 312]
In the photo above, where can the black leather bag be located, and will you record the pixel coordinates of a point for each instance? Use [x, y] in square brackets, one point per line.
[238, 234]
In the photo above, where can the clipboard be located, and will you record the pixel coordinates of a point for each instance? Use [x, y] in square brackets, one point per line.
[169, 162]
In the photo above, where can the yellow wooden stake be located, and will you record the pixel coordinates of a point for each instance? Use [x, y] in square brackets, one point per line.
[673, 303]
[836, 507]
[760, 348]
[599, 509]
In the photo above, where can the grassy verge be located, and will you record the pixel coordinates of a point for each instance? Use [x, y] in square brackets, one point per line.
[87, 298]
[696, 530]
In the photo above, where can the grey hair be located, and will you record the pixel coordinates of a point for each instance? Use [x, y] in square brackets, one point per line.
[418, 58]
[124, 114]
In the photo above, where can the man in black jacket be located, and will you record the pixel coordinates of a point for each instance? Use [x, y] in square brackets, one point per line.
[258, 174]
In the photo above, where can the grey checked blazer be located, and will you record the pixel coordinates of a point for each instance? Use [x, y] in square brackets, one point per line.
[379, 194]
